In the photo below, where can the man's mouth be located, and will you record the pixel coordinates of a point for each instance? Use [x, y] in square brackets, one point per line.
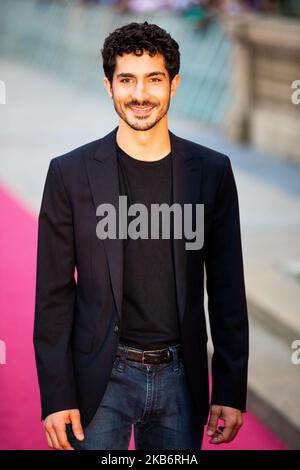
[141, 109]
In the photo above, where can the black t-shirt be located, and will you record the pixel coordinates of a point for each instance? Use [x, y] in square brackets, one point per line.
[149, 310]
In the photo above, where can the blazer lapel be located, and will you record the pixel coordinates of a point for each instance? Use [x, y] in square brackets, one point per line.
[102, 171]
[186, 190]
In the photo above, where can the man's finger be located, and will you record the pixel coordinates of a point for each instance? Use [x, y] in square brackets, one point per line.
[229, 431]
[63, 439]
[48, 439]
[235, 431]
[54, 440]
[217, 437]
[213, 420]
[226, 435]
[76, 426]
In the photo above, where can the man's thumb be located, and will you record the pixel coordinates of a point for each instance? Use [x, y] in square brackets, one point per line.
[76, 425]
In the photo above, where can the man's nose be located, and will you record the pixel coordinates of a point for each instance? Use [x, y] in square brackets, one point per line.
[140, 92]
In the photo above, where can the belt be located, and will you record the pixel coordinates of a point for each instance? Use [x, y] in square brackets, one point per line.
[154, 356]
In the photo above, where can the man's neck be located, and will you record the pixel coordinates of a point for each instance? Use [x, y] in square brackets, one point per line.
[150, 145]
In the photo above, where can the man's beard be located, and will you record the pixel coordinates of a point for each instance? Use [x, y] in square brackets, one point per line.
[142, 123]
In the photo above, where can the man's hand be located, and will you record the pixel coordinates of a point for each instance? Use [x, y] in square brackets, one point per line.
[55, 428]
[233, 421]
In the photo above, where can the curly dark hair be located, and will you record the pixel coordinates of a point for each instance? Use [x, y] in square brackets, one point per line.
[137, 38]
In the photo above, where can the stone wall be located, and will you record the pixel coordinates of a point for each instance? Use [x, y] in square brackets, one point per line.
[266, 61]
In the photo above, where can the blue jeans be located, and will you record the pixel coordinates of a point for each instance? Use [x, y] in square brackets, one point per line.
[155, 398]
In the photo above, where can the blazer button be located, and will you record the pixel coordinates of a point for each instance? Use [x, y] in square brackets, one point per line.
[116, 328]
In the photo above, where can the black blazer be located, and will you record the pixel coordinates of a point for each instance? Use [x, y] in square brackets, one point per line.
[77, 321]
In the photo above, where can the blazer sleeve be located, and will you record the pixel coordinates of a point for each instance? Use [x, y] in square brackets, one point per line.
[55, 294]
[227, 306]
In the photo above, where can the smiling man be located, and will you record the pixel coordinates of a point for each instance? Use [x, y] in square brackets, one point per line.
[126, 343]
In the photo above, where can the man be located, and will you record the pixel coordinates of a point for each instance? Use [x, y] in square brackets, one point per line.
[126, 343]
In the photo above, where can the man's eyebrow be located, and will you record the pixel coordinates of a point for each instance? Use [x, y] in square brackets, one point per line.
[150, 74]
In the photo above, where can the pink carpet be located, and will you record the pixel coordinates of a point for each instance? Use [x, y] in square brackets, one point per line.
[20, 426]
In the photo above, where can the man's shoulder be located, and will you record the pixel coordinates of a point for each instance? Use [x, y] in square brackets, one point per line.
[206, 156]
[73, 157]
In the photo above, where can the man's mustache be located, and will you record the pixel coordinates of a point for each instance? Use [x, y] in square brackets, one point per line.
[135, 103]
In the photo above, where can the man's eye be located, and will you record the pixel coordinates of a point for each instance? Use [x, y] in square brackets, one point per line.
[126, 80]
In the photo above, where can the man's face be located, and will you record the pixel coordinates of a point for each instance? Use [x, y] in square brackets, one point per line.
[141, 90]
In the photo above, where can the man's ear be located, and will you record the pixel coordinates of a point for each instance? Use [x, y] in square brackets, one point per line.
[107, 86]
[175, 84]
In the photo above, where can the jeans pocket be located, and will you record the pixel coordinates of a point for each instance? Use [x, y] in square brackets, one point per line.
[118, 365]
[178, 367]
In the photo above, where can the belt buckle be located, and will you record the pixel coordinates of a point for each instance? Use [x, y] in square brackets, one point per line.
[151, 350]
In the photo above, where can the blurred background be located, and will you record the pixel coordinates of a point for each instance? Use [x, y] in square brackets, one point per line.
[239, 94]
